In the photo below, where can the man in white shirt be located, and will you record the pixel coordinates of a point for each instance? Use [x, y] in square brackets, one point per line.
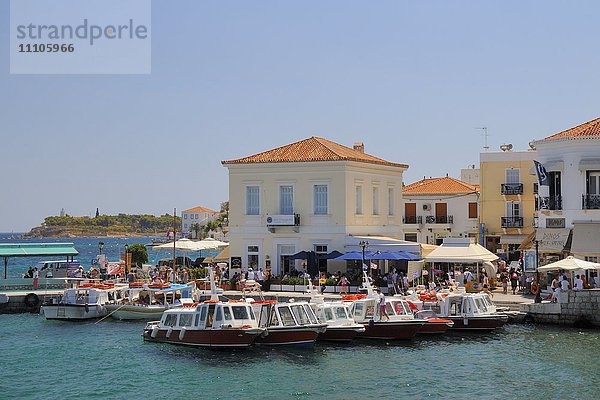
[564, 284]
[578, 283]
[250, 274]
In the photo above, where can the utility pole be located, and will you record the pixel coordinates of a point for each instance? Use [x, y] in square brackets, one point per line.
[485, 137]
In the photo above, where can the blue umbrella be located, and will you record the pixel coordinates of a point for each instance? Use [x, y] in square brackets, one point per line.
[395, 255]
[355, 255]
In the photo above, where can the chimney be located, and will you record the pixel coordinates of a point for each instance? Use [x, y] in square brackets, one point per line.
[359, 146]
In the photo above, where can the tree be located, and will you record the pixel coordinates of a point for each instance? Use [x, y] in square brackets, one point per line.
[196, 228]
[139, 254]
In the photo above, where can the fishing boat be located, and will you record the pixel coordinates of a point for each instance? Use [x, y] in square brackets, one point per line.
[82, 302]
[400, 323]
[341, 327]
[148, 301]
[292, 323]
[211, 324]
[470, 311]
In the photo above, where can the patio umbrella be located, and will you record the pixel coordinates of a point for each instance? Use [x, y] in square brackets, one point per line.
[569, 264]
[355, 255]
[301, 255]
[394, 255]
[191, 245]
[330, 256]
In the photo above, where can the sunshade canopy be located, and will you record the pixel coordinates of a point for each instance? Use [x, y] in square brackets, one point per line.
[191, 245]
[37, 249]
[461, 252]
[394, 255]
[569, 264]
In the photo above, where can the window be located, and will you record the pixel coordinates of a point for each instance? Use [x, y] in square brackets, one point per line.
[253, 256]
[300, 315]
[203, 314]
[410, 237]
[186, 319]
[286, 200]
[227, 313]
[593, 182]
[359, 200]
[184, 216]
[170, 320]
[513, 209]
[311, 314]
[218, 315]
[240, 312]
[320, 199]
[286, 316]
[375, 201]
[512, 176]
[340, 313]
[252, 200]
[390, 201]
[472, 210]
[320, 248]
[328, 314]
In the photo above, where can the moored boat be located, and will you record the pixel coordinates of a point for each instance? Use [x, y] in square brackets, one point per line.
[292, 323]
[471, 311]
[433, 323]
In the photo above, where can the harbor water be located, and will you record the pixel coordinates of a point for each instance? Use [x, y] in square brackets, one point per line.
[109, 360]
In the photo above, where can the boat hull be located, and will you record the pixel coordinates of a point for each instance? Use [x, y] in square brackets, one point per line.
[391, 330]
[133, 312]
[73, 312]
[212, 338]
[295, 335]
[340, 333]
[482, 323]
[436, 325]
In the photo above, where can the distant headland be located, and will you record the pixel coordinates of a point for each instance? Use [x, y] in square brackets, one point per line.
[66, 226]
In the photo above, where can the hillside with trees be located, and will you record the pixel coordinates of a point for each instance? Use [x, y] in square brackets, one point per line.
[105, 225]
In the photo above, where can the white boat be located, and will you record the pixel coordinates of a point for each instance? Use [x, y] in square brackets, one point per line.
[82, 302]
[470, 311]
[149, 302]
[59, 269]
[341, 327]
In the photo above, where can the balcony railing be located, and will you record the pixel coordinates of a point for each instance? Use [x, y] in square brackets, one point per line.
[590, 201]
[412, 219]
[512, 222]
[441, 219]
[511, 188]
[550, 203]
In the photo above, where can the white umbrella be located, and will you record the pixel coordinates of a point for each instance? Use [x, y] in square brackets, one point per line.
[569, 264]
[210, 244]
[181, 244]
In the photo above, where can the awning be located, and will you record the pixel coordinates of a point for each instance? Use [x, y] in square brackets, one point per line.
[586, 239]
[460, 251]
[552, 240]
[382, 243]
[512, 239]
[589, 163]
[528, 242]
[37, 249]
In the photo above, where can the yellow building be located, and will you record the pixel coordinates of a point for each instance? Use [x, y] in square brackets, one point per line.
[507, 201]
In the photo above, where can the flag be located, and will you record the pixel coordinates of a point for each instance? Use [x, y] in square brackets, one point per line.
[542, 174]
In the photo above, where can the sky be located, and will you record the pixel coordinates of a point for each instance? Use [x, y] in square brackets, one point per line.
[412, 80]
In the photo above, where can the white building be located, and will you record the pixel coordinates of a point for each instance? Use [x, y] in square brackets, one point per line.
[197, 215]
[438, 208]
[310, 195]
[571, 201]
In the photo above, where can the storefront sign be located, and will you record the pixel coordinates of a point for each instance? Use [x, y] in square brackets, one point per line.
[552, 240]
[555, 222]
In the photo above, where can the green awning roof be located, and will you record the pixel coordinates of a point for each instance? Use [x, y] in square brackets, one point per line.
[37, 249]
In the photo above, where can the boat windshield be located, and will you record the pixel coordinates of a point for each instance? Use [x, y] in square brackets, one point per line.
[227, 313]
[185, 319]
[240, 312]
[170, 319]
[311, 314]
[481, 306]
[399, 308]
[300, 314]
[340, 312]
[286, 316]
[328, 314]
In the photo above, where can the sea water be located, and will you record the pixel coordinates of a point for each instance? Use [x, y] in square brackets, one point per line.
[109, 360]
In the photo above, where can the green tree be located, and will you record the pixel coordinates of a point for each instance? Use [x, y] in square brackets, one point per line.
[139, 254]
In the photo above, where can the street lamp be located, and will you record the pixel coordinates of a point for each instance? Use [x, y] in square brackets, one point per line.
[363, 245]
[538, 295]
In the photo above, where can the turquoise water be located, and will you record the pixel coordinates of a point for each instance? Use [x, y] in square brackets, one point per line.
[57, 360]
[52, 359]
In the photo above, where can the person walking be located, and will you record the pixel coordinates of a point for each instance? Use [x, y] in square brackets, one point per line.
[382, 306]
[344, 283]
[514, 278]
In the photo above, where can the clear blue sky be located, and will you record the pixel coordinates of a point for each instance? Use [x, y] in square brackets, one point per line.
[411, 79]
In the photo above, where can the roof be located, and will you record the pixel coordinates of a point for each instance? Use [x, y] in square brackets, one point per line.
[200, 209]
[444, 185]
[590, 129]
[311, 150]
[37, 249]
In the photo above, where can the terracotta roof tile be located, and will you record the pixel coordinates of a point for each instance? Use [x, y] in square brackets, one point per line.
[200, 209]
[444, 185]
[311, 150]
[586, 130]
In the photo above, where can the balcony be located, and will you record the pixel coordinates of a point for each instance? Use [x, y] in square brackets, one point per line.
[441, 219]
[510, 189]
[512, 222]
[550, 203]
[590, 201]
[412, 219]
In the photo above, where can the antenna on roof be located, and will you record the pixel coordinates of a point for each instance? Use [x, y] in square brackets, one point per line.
[485, 136]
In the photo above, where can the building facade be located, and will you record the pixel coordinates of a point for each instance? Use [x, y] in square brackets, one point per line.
[197, 215]
[438, 208]
[570, 203]
[507, 201]
[312, 195]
